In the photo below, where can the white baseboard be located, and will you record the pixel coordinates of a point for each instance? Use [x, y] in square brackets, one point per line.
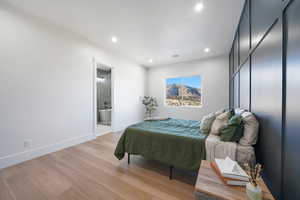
[37, 152]
[103, 133]
[102, 130]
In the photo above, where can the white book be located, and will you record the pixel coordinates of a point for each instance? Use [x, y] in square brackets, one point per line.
[237, 183]
[231, 169]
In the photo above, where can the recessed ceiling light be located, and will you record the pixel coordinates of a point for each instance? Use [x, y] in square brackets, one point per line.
[206, 50]
[199, 7]
[114, 39]
[150, 61]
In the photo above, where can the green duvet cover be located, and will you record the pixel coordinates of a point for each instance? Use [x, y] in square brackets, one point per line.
[174, 142]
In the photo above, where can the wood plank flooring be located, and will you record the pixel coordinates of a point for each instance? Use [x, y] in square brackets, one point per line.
[90, 171]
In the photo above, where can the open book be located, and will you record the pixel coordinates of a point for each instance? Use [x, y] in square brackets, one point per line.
[231, 169]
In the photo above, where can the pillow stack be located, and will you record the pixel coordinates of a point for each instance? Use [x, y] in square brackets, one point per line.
[232, 126]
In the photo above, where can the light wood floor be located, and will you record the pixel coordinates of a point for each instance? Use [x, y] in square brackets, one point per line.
[89, 171]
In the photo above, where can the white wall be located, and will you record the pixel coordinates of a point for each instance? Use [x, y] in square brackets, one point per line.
[214, 74]
[46, 87]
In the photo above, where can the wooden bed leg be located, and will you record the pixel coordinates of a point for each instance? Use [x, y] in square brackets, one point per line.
[128, 158]
[171, 172]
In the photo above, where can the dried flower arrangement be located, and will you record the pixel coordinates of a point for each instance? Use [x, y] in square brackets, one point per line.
[254, 173]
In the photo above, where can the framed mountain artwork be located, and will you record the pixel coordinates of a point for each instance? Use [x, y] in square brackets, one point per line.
[184, 91]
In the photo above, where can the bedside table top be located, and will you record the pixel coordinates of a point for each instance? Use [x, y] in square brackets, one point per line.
[208, 182]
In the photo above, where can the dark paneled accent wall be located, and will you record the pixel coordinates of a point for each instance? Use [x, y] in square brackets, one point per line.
[265, 78]
[266, 99]
[291, 141]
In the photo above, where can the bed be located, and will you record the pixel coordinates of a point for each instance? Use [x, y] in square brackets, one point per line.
[178, 143]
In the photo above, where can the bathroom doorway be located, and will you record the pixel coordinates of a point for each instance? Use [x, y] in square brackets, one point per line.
[103, 99]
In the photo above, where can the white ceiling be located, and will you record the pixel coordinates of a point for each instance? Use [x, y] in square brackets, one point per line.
[146, 29]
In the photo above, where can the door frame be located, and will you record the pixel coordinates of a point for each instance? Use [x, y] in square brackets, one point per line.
[97, 130]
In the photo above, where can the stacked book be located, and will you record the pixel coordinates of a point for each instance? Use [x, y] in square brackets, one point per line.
[230, 172]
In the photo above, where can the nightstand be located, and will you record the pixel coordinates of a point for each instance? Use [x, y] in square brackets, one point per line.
[209, 186]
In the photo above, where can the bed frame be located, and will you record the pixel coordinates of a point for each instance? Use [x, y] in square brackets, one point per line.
[170, 172]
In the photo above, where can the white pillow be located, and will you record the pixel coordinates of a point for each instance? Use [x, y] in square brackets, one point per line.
[251, 127]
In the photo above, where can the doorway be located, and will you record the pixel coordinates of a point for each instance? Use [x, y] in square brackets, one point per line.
[103, 106]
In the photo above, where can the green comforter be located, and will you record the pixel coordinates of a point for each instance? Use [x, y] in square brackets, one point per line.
[174, 142]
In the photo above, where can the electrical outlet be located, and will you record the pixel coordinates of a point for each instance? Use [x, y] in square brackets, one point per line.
[27, 144]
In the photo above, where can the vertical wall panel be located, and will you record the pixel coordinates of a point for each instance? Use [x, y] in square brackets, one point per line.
[236, 91]
[231, 68]
[244, 30]
[267, 104]
[263, 14]
[236, 53]
[292, 131]
[245, 86]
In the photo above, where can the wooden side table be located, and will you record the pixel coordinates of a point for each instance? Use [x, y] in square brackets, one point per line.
[209, 186]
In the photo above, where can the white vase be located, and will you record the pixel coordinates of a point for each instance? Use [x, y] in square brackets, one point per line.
[253, 193]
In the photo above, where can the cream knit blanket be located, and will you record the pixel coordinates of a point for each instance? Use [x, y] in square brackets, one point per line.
[215, 148]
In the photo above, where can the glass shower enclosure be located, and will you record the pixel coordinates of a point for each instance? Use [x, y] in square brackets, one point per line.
[104, 96]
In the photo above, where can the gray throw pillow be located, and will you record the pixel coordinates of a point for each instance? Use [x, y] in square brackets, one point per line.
[208, 120]
[206, 123]
[220, 122]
